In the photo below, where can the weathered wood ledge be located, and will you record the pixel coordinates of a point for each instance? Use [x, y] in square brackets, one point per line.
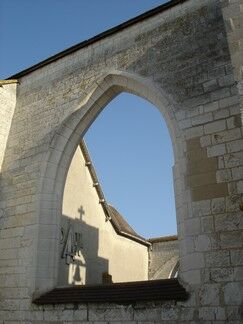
[154, 290]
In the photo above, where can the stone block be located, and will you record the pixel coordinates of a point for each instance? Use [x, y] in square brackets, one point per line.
[192, 226]
[209, 191]
[111, 314]
[232, 239]
[207, 224]
[217, 259]
[228, 222]
[202, 243]
[193, 144]
[194, 132]
[226, 136]
[233, 293]
[121, 322]
[236, 257]
[237, 173]
[201, 99]
[10, 316]
[185, 123]
[169, 313]
[217, 72]
[209, 295]
[201, 166]
[180, 115]
[194, 111]
[233, 192]
[235, 146]
[205, 141]
[218, 205]
[148, 314]
[206, 313]
[216, 126]
[220, 314]
[233, 313]
[34, 316]
[226, 80]
[79, 314]
[8, 254]
[223, 113]
[223, 176]
[240, 186]
[219, 274]
[187, 314]
[216, 150]
[195, 156]
[238, 274]
[201, 179]
[234, 110]
[187, 246]
[212, 106]
[233, 201]
[192, 261]
[201, 208]
[229, 101]
[202, 119]
[231, 122]
[220, 94]
[211, 85]
[58, 315]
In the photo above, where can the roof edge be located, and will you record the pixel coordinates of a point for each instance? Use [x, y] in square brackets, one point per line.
[98, 37]
[134, 238]
[163, 239]
[102, 199]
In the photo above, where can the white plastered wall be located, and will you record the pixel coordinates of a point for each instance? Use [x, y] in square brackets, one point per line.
[104, 251]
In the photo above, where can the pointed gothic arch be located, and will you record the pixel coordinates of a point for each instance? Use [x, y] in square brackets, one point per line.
[62, 147]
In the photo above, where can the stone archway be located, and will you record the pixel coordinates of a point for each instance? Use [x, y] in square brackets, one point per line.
[187, 48]
[62, 147]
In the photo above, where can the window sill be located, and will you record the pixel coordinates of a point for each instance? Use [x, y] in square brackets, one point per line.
[162, 290]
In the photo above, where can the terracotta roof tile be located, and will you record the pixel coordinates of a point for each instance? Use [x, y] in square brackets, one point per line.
[121, 225]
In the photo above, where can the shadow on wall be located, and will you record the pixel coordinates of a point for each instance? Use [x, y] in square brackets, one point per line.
[79, 262]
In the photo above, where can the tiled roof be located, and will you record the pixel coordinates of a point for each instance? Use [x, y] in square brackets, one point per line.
[154, 290]
[122, 227]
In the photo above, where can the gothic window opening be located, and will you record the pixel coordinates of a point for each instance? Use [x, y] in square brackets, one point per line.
[119, 165]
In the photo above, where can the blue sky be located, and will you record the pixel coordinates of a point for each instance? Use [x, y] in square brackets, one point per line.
[134, 165]
[132, 152]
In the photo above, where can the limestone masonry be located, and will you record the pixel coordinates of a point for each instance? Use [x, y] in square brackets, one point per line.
[185, 57]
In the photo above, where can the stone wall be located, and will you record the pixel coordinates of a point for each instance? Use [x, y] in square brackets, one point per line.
[163, 257]
[7, 104]
[181, 59]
